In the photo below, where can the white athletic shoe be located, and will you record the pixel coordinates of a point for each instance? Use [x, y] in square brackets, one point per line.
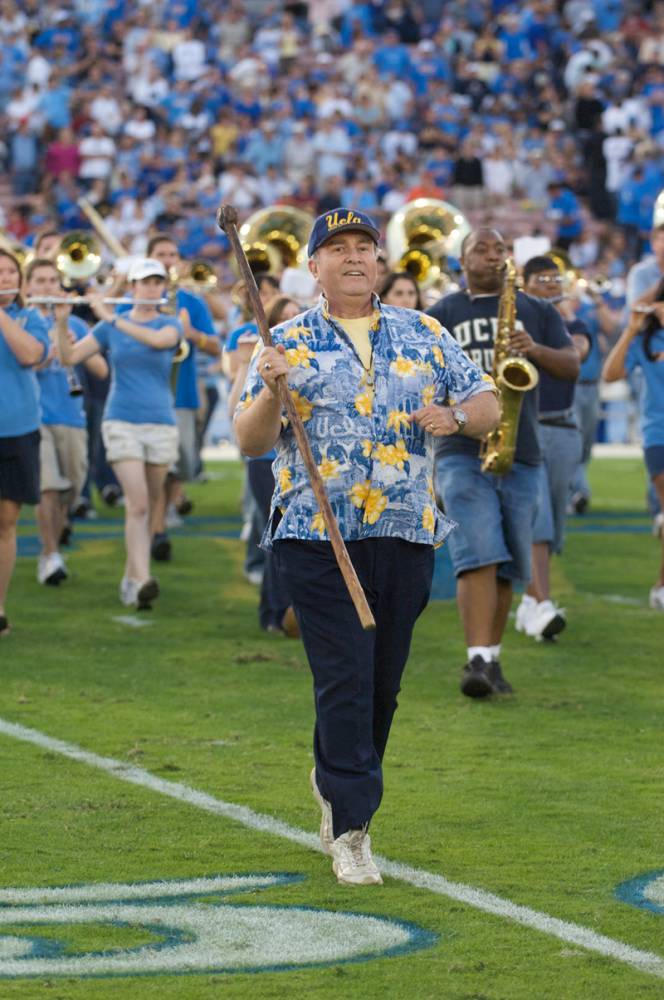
[524, 613]
[658, 525]
[128, 592]
[657, 598]
[326, 830]
[352, 862]
[546, 621]
[51, 569]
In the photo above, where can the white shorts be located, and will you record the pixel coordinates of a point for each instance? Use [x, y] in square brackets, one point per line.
[63, 459]
[156, 444]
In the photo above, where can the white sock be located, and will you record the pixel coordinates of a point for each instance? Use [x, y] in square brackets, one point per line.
[528, 599]
[495, 652]
[483, 651]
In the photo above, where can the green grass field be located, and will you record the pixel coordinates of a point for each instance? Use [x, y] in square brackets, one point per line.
[549, 799]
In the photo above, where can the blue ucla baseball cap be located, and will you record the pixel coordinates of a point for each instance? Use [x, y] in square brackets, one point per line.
[339, 220]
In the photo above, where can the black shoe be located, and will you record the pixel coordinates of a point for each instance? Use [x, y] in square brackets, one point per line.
[580, 503]
[65, 535]
[500, 684]
[184, 506]
[110, 494]
[475, 680]
[146, 594]
[82, 509]
[161, 548]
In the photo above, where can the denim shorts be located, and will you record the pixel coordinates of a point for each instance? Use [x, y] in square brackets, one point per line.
[494, 514]
[654, 456]
[561, 453]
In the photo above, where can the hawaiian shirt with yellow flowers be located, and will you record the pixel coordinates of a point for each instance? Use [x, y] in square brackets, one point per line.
[376, 464]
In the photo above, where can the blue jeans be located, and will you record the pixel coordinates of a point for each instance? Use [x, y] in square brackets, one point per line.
[586, 410]
[356, 673]
[494, 515]
[561, 451]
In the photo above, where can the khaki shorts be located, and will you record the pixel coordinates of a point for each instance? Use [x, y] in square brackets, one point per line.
[156, 444]
[63, 459]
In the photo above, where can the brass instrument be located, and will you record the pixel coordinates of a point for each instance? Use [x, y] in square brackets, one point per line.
[101, 229]
[77, 258]
[420, 237]
[513, 376]
[201, 277]
[572, 277]
[18, 250]
[275, 238]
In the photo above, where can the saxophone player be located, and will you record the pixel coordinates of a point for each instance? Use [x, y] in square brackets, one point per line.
[490, 550]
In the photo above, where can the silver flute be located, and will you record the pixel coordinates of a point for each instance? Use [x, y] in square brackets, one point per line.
[81, 300]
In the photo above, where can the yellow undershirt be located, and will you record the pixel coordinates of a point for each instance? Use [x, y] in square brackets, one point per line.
[358, 333]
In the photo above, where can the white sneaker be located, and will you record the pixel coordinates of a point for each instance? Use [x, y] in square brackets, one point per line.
[657, 598]
[128, 592]
[326, 830]
[658, 525]
[51, 569]
[352, 862]
[546, 621]
[524, 613]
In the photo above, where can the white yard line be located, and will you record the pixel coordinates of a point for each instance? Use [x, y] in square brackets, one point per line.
[644, 961]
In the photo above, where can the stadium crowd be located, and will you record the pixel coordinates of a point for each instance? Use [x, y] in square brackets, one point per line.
[552, 112]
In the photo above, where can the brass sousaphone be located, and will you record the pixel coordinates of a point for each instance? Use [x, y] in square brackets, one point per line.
[420, 237]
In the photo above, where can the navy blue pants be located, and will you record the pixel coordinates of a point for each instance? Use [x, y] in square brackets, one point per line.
[356, 673]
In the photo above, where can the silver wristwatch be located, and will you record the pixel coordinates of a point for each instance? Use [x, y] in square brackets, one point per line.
[461, 418]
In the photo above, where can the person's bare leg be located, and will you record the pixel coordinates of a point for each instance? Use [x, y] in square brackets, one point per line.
[658, 483]
[477, 600]
[49, 521]
[503, 606]
[9, 511]
[539, 586]
[157, 485]
[131, 474]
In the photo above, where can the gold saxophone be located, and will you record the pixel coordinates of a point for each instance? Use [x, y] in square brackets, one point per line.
[513, 376]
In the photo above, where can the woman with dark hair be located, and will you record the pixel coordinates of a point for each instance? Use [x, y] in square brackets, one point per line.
[24, 344]
[641, 345]
[400, 288]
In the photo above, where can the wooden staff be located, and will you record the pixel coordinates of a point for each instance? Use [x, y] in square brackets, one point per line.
[227, 219]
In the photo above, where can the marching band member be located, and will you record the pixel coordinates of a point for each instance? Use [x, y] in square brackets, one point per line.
[24, 344]
[370, 382]
[139, 428]
[641, 345]
[63, 448]
[491, 549]
[560, 444]
[198, 327]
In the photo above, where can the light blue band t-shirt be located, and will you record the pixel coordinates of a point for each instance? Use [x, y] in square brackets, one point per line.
[652, 401]
[19, 393]
[58, 406]
[140, 390]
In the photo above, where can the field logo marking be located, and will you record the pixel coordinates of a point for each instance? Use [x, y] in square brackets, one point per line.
[645, 891]
[192, 928]
[480, 899]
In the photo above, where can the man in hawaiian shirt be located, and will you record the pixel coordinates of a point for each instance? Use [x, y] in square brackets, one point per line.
[374, 385]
